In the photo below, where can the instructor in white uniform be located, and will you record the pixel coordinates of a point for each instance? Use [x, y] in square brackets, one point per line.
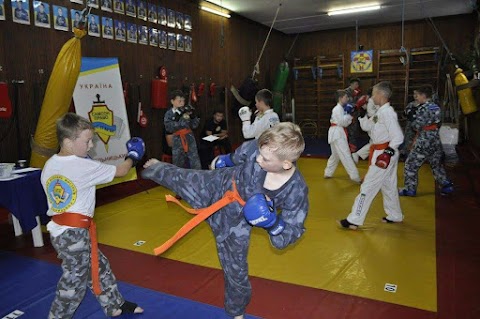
[386, 136]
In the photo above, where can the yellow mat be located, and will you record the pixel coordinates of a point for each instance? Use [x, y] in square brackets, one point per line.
[363, 263]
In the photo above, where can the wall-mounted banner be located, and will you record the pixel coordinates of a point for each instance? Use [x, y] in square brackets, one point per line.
[361, 61]
[98, 96]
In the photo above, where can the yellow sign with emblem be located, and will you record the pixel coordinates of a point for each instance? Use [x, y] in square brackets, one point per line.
[102, 119]
[361, 61]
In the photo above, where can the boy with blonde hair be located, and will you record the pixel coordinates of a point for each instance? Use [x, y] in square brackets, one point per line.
[69, 179]
[261, 177]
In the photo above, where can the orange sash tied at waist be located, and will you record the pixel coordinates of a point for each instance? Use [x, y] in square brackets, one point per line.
[229, 197]
[376, 147]
[344, 129]
[430, 127]
[183, 137]
[82, 221]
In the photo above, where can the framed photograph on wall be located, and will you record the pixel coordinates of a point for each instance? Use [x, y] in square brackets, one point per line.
[107, 28]
[60, 18]
[153, 37]
[75, 16]
[187, 22]
[179, 20]
[180, 43]
[172, 43]
[162, 16]
[131, 32]
[21, 12]
[41, 11]
[94, 25]
[188, 43]
[162, 39]
[106, 5]
[119, 30]
[142, 10]
[119, 6]
[143, 34]
[152, 13]
[2, 9]
[130, 8]
[170, 18]
[93, 3]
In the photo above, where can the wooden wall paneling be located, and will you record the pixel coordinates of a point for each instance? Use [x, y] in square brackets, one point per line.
[331, 78]
[424, 69]
[391, 69]
[305, 93]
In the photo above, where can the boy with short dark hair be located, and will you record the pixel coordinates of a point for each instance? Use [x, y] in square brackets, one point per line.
[338, 140]
[425, 120]
[69, 179]
[265, 117]
[179, 120]
[250, 184]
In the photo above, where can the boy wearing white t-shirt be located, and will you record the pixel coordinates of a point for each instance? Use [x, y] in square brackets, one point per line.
[69, 179]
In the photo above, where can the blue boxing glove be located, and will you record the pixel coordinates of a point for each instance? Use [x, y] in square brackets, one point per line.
[223, 161]
[135, 149]
[348, 109]
[260, 212]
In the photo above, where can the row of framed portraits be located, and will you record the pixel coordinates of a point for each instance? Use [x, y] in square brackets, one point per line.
[134, 8]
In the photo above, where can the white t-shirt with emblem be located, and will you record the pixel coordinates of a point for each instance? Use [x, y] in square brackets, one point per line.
[69, 183]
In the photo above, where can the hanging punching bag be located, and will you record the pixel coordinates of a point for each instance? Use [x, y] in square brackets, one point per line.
[159, 90]
[465, 95]
[281, 77]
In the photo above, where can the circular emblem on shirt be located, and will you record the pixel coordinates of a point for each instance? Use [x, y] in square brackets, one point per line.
[61, 193]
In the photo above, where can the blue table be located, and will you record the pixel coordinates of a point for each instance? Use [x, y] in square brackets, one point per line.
[25, 200]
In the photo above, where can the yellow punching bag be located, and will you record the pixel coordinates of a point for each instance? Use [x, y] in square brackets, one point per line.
[465, 96]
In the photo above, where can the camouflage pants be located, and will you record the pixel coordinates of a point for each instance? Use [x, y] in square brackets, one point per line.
[424, 150]
[179, 157]
[232, 233]
[408, 140]
[73, 248]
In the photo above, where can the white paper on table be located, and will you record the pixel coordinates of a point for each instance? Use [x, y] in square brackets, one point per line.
[210, 138]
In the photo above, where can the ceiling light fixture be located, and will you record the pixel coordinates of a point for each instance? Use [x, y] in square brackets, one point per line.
[226, 15]
[354, 9]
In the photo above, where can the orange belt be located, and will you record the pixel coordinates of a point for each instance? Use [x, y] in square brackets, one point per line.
[82, 221]
[376, 147]
[183, 137]
[344, 129]
[430, 127]
[230, 196]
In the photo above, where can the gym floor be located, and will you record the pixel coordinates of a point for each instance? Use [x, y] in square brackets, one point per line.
[330, 273]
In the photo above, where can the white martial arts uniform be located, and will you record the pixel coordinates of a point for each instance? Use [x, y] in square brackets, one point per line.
[371, 110]
[337, 138]
[383, 128]
[262, 123]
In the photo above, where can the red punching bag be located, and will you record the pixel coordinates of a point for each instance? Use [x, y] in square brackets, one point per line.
[5, 103]
[159, 90]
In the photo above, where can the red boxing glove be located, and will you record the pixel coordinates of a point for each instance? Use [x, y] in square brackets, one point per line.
[356, 92]
[384, 159]
[361, 101]
[201, 89]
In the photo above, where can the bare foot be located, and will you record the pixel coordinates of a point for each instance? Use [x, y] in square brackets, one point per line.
[238, 317]
[150, 162]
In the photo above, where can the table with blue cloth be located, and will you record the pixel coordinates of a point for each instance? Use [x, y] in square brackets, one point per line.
[25, 199]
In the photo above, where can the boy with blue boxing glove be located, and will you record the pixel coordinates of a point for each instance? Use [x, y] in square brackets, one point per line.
[243, 189]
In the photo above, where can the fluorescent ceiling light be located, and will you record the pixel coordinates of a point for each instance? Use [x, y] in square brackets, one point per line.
[226, 15]
[354, 10]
